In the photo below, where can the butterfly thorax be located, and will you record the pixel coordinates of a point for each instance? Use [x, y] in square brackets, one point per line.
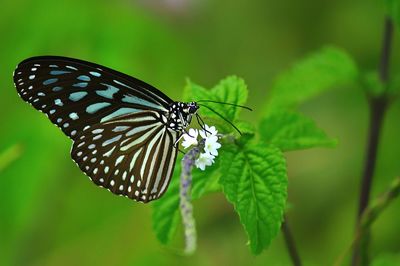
[180, 115]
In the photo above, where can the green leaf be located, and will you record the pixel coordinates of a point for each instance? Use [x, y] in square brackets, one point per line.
[373, 85]
[245, 127]
[322, 70]
[386, 260]
[229, 90]
[166, 209]
[293, 131]
[255, 182]
[393, 10]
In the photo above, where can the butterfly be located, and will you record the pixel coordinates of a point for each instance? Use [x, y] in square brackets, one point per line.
[124, 131]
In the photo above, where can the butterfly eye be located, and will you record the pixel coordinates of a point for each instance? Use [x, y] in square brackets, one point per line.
[193, 107]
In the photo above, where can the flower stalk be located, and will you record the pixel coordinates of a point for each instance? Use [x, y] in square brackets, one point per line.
[186, 207]
[201, 155]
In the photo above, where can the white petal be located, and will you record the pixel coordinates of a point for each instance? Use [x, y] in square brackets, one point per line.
[190, 139]
[209, 131]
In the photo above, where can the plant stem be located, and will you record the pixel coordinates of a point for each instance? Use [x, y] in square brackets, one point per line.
[185, 204]
[371, 213]
[290, 244]
[378, 106]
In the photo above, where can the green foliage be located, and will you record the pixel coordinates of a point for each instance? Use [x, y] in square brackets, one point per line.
[393, 10]
[373, 85]
[10, 155]
[394, 86]
[253, 176]
[205, 182]
[322, 70]
[292, 131]
[166, 209]
[386, 260]
[255, 182]
[229, 90]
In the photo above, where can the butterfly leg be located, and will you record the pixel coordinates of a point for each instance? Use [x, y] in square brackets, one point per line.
[177, 143]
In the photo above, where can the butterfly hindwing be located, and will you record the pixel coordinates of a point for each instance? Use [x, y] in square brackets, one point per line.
[75, 93]
[132, 155]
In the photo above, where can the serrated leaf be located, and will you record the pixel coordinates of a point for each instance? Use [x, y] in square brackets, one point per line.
[166, 209]
[229, 90]
[245, 127]
[255, 182]
[393, 10]
[327, 68]
[293, 131]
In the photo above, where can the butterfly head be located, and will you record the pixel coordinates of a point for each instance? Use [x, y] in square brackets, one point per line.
[191, 108]
[181, 114]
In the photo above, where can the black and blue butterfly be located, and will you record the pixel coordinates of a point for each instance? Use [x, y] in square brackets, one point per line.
[125, 132]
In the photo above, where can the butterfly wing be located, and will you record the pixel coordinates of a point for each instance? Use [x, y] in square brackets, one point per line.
[117, 122]
[132, 155]
[75, 93]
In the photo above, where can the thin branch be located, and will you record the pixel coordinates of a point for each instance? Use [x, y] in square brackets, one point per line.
[290, 244]
[378, 106]
[386, 48]
[371, 214]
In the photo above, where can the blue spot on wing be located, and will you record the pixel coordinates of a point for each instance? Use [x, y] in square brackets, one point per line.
[76, 96]
[109, 141]
[80, 84]
[59, 72]
[109, 92]
[57, 89]
[137, 100]
[96, 74]
[49, 81]
[84, 78]
[93, 108]
[120, 111]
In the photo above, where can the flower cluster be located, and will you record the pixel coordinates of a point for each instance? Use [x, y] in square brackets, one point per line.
[211, 144]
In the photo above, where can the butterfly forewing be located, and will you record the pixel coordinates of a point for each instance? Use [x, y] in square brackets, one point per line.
[124, 130]
[131, 155]
[75, 93]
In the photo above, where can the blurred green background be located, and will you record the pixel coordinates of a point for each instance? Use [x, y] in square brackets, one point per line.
[51, 214]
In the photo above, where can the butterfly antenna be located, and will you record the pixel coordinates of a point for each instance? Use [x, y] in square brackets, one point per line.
[202, 124]
[237, 105]
[226, 120]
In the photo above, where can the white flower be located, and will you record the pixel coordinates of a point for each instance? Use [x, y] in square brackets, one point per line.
[205, 159]
[209, 131]
[212, 145]
[190, 139]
